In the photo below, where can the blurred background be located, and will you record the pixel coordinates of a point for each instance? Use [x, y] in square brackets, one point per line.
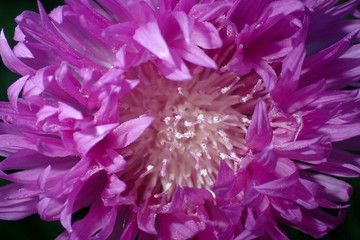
[32, 228]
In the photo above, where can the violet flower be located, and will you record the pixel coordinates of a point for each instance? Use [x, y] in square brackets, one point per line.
[182, 119]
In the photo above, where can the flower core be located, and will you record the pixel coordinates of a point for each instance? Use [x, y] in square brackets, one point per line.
[198, 123]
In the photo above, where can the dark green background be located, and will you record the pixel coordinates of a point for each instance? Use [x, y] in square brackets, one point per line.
[32, 228]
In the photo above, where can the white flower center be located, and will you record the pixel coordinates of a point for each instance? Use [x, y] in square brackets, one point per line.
[198, 124]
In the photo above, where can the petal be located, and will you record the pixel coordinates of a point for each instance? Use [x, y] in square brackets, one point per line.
[288, 210]
[10, 60]
[335, 189]
[15, 209]
[122, 32]
[86, 139]
[209, 11]
[267, 73]
[177, 202]
[149, 36]
[14, 91]
[130, 230]
[177, 226]
[267, 158]
[68, 112]
[20, 160]
[205, 35]
[310, 150]
[146, 220]
[114, 187]
[67, 211]
[194, 54]
[283, 187]
[177, 72]
[111, 160]
[225, 174]
[129, 131]
[317, 61]
[259, 133]
[97, 224]
[340, 163]
[185, 23]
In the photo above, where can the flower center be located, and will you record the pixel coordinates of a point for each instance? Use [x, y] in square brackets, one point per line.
[198, 124]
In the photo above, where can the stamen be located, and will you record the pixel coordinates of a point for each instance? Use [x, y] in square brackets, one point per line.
[197, 124]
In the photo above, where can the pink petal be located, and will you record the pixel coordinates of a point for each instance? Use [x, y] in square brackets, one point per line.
[205, 35]
[283, 187]
[45, 112]
[267, 73]
[177, 72]
[15, 209]
[130, 230]
[86, 139]
[185, 23]
[267, 158]
[111, 161]
[177, 202]
[122, 32]
[97, 224]
[14, 91]
[68, 112]
[177, 226]
[67, 211]
[335, 189]
[225, 175]
[149, 36]
[194, 54]
[20, 160]
[43, 177]
[113, 188]
[209, 11]
[129, 131]
[10, 60]
[146, 220]
[311, 150]
[287, 210]
[259, 133]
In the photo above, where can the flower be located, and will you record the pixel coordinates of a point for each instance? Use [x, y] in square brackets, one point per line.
[182, 119]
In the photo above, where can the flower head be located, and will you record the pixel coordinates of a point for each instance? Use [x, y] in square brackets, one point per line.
[182, 119]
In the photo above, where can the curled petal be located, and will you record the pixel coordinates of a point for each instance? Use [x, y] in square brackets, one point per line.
[10, 60]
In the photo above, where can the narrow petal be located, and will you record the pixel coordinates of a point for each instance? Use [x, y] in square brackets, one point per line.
[111, 161]
[68, 112]
[149, 36]
[194, 54]
[282, 187]
[185, 23]
[113, 188]
[10, 60]
[177, 226]
[129, 131]
[206, 36]
[259, 133]
[14, 91]
[86, 139]
[146, 220]
[209, 11]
